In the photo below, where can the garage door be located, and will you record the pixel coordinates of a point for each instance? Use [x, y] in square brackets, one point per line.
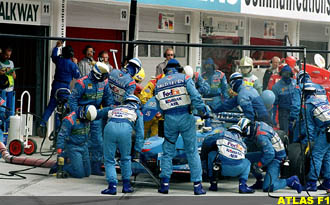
[92, 33]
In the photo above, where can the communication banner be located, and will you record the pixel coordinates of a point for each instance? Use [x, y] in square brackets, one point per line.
[311, 10]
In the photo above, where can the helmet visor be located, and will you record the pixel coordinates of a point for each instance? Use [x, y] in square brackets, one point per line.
[245, 69]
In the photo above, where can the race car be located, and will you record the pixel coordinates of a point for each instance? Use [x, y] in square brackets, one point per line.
[152, 149]
[319, 74]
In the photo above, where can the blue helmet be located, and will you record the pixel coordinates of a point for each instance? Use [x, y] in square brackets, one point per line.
[235, 76]
[133, 101]
[286, 68]
[235, 80]
[309, 88]
[268, 97]
[303, 76]
[134, 66]
[209, 61]
[173, 63]
[62, 95]
[208, 65]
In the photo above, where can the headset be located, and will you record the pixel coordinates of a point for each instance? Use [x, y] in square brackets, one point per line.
[169, 49]
[86, 48]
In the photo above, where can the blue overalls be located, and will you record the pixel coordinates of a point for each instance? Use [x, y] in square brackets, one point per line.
[118, 134]
[251, 103]
[283, 100]
[175, 93]
[73, 138]
[299, 131]
[88, 91]
[201, 85]
[318, 119]
[271, 155]
[218, 87]
[121, 84]
[65, 71]
[229, 149]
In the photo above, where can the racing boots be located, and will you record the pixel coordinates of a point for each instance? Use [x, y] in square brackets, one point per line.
[53, 169]
[164, 185]
[112, 189]
[127, 188]
[243, 187]
[198, 188]
[96, 168]
[310, 186]
[257, 185]
[294, 183]
[213, 186]
[325, 185]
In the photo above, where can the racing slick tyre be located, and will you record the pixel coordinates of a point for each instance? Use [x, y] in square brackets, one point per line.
[299, 161]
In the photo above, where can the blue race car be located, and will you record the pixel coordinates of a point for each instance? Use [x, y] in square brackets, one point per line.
[152, 149]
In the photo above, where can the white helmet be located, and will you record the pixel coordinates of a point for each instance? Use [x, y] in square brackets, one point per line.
[100, 71]
[246, 65]
[309, 87]
[244, 124]
[188, 70]
[235, 128]
[136, 62]
[90, 112]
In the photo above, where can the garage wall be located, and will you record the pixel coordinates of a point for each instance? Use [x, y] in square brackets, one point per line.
[89, 15]
[313, 37]
[257, 28]
[313, 32]
[148, 22]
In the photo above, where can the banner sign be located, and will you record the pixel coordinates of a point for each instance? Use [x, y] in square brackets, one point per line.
[166, 22]
[311, 10]
[212, 5]
[269, 29]
[20, 12]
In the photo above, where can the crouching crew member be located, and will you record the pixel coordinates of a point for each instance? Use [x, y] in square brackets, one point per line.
[226, 152]
[271, 155]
